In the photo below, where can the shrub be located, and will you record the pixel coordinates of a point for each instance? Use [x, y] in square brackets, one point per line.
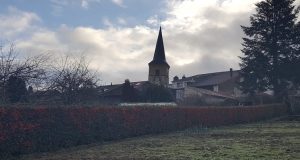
[154, 93]
[16, 89]
[24, 130]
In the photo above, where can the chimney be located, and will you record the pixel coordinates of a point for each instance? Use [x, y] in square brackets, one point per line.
[175, 78]
[231, 70]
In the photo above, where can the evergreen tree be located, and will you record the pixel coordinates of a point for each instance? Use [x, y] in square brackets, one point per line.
[293, 64]
[16, 89]
[128, 92]
[269, 47]
[155, 93]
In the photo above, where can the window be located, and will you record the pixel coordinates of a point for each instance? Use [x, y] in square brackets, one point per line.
[242, 79]
[157, 72]
[216, 88]
[184, 84]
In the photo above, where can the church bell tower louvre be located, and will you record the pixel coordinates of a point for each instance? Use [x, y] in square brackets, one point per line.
[158, 67]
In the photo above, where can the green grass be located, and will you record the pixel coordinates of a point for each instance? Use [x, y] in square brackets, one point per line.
[265, 140]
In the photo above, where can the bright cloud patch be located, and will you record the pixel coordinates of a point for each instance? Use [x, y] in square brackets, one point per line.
[118, 2]
[205, 35]
[84, 4]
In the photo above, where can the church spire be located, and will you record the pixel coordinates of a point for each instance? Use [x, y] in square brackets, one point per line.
[158, 67]
[159, 54]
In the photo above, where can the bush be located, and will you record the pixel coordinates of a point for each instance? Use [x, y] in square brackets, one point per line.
[129, 93]
[16, 89]
[154, 93]
[25, 130]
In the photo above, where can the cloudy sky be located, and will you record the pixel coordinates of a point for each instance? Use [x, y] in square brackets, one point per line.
[118, 36]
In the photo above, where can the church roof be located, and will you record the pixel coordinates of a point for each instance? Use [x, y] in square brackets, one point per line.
[159, 54]
[208, 79]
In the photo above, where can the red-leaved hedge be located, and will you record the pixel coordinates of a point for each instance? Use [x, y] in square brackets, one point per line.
[24, 130]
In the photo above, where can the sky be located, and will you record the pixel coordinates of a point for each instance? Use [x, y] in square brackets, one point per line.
[118, 37]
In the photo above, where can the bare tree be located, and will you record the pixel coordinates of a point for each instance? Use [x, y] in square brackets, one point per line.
[73, 79]
[30, 69]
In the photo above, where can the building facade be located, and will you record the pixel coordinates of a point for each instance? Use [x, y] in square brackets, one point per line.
[218, 84]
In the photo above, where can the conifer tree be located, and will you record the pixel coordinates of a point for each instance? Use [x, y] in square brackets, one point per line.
[128, 92]
[293, 65]
[16, 89]
[269, 47]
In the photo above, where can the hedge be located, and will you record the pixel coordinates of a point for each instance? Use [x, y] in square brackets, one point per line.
[26, 130]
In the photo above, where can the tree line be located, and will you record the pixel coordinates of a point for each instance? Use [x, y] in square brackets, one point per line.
[23, 79]
[148, 93]
[61, 80]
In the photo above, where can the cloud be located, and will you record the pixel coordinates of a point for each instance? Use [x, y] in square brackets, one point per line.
[153, 20]
[119, 3]
[84, 4]
[205, 36]
[199, 36]
[116, 52]
[122, 21]
[16, 22]
[107, 22]
[59, 5]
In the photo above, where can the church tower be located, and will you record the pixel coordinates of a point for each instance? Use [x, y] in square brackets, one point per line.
[158, 67]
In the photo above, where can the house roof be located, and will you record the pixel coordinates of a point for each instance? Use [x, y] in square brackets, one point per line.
[110, 89]
[116, 89]
[159, 54]
[209, 78]
[212, 93]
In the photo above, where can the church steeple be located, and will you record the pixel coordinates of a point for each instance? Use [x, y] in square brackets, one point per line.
[159, 54]
[158, 67]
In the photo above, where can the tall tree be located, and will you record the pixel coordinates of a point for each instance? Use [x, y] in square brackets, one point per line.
[269, 47]
[73, 78]
[293, 64]
[29, 69]
[128, 92]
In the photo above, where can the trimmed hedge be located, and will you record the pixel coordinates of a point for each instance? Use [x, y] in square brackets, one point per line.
[25, 130]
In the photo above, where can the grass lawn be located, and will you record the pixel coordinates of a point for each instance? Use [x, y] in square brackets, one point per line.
[276, 139]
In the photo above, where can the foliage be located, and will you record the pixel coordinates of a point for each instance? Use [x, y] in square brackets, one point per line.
[71, 79]
[74, 80]
[272, 43]
[147, 93]
[24, 130]
[129, 94]
[155, 93]
[29, 69]
[294, 74]
[16, 89]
